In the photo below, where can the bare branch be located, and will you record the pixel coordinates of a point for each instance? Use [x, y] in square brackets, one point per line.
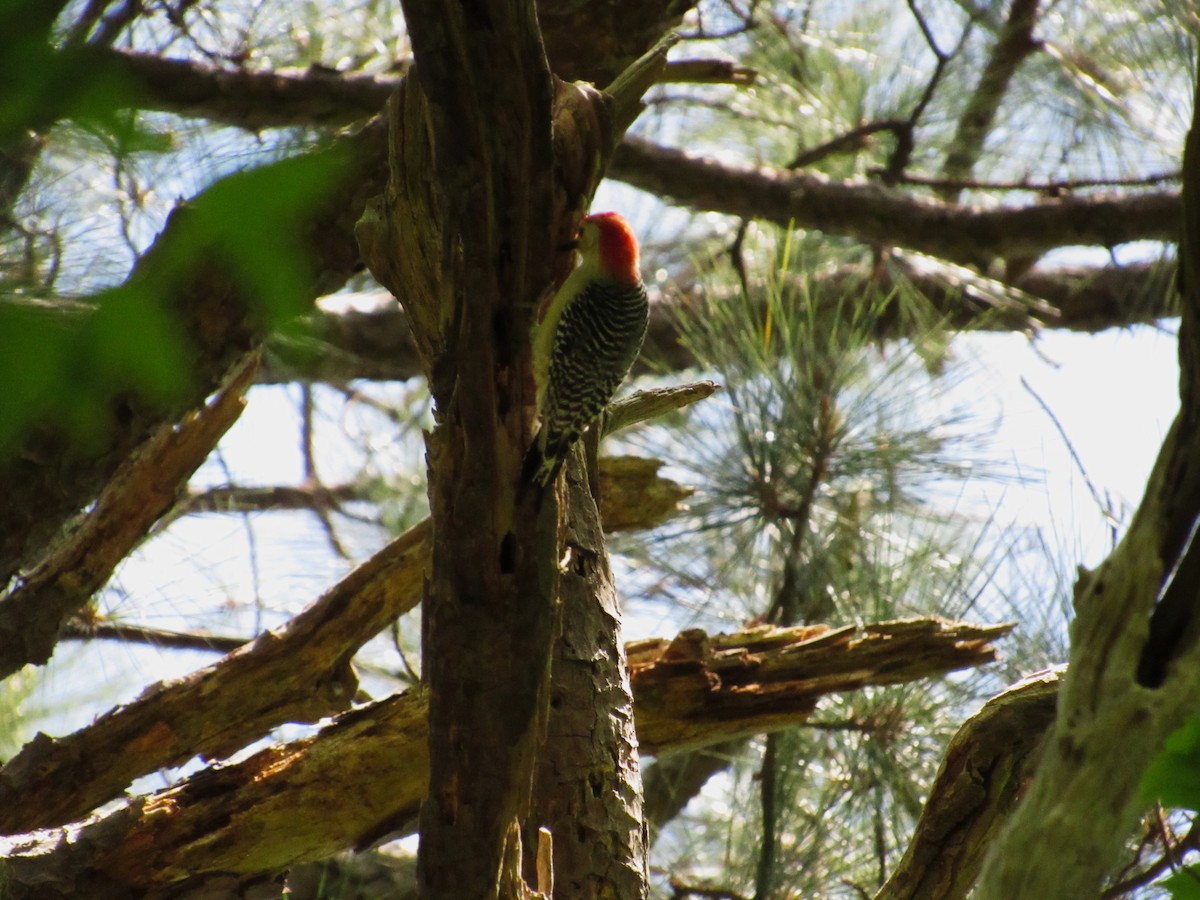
[299, 674]
[361, 778]
[1014, 44]
[141, 490]
[708, 71]
[875, 215]
[1048, 188]
[696, 690]
[248, 99]
[236, 499]
[853, 140]
[644, 405]
[102, 630]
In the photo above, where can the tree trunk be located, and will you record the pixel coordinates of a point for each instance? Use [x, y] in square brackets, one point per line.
[588, 786]
[1134, 674]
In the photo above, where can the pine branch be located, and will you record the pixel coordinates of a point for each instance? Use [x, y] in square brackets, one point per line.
[875, 215]
[1013, 45]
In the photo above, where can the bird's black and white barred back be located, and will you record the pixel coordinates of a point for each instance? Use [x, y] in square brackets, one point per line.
[598, 327]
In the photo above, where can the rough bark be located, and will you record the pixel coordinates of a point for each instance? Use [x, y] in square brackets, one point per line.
[587, 787]
[1134, 674]
[470, 213]
[492, 164]
[362, 778]
[987, 765]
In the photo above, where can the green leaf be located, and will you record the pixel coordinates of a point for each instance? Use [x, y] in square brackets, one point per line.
[251, 217]
[43, 83]
[1173, 777]
[1184, 884]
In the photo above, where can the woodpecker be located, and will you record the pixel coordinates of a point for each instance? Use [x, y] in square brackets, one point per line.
[585, 340]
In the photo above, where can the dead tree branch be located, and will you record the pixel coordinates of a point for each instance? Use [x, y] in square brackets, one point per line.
[361, 778]
[983, 772]
[142, 489]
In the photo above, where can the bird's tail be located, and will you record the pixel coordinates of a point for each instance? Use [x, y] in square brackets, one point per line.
[543, 462]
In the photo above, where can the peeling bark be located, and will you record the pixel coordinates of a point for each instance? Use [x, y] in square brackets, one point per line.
[361, 778]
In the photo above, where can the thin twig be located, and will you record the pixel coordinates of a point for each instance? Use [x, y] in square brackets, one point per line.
[1104, 506]
[854, 139]
[1190, 841]
[707, 71]
[1049, 188]
[77, 629]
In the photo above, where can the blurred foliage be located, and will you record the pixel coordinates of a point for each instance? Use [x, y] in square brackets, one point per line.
[1174, 776]
[69, 370]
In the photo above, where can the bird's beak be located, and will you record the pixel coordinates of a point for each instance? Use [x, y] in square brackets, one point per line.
[569, 245]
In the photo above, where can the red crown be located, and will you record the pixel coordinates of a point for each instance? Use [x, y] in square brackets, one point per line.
[618, 246]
